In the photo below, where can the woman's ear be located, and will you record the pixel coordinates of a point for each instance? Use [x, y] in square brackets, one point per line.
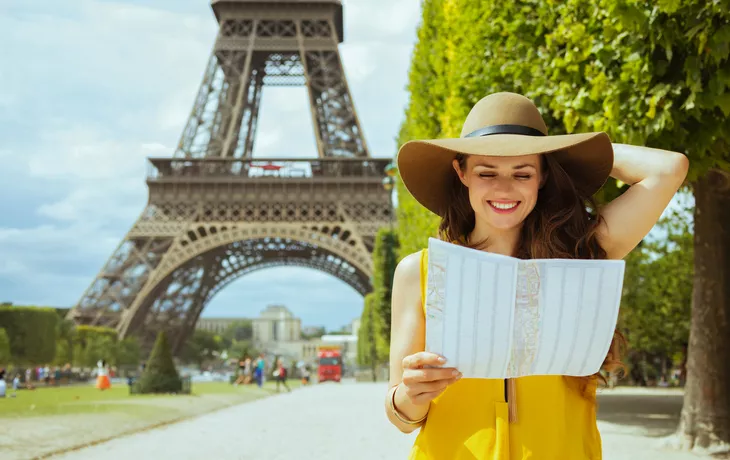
[459, 172]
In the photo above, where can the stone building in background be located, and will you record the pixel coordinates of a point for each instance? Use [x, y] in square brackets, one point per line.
[276, 331]
[276, 324]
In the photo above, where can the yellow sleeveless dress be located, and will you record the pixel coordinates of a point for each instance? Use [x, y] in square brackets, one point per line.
[469, 421]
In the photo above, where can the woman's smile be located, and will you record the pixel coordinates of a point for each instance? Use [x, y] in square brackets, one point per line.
[503, 207]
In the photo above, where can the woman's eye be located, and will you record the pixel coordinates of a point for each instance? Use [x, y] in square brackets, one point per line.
[523, 176]
[487, 175]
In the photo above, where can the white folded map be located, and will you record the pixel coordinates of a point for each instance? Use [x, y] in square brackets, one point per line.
[493, 316]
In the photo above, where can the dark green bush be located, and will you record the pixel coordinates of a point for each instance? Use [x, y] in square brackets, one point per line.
[160, 375]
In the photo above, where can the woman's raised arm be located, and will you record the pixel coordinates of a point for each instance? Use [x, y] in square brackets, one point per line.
[654, 177]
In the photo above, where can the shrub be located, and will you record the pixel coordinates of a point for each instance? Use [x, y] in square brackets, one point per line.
[160, 375]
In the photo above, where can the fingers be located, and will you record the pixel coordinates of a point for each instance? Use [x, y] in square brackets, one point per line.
[425, 392]
[411, 376]
[424, 398]
[431, 387]
[422, 359]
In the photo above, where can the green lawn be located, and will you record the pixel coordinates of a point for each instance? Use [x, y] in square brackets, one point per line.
[88, 399]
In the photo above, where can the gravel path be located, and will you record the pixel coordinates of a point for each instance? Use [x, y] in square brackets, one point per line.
[346, 421]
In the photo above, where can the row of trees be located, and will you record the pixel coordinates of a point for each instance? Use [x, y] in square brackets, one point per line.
[373, 344]
[31, 336]
[206, 346]
[649, 73]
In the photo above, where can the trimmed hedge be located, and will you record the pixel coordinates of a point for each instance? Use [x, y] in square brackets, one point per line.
[31, 332]
[160, 375]
[5, 356]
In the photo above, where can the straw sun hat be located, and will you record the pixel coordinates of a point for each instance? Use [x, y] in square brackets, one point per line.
[502, 124]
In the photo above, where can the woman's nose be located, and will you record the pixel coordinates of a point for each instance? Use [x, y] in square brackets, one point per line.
[502, 184]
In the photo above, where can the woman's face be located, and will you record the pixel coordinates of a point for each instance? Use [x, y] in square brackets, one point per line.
[502, 190]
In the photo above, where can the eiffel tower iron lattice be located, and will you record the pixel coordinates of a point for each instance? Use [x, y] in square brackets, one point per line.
[215, 213]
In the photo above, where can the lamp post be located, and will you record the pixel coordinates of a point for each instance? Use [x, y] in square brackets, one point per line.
[388, 183]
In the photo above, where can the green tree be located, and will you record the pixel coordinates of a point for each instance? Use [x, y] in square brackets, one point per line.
[65, 331]
[317, 333]
[127, 352]
[5, 357]
[367, 351]
[656, 305]
[200, 347]
[385, 259]
[652, 73]
[31, 332]
[241, 348]
[239, 330]
[99, 348]
[160, 375]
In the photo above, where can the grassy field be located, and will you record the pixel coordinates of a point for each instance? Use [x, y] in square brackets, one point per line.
[87, 399]
[46, 421]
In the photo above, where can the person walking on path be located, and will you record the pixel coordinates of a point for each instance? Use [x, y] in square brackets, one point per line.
[102, 379]
[508, 188]
[259, 370]
[280, 375]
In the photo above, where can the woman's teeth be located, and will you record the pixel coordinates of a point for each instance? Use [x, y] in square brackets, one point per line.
[504, 205]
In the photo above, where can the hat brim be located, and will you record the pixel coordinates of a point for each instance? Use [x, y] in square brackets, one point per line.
[426, 165]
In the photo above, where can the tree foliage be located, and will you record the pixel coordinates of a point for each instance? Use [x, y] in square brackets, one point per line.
[31, 332]
[93, 343]
[653, 73]
[374, 333]
[201, 347]
[160, 375]
[5, 357]
[367, 351]
[385, 259]
[656, 304]
[239, 330]
[65, 334]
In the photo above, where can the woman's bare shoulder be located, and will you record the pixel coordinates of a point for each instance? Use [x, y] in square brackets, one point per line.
[408, 271]
[407, 286]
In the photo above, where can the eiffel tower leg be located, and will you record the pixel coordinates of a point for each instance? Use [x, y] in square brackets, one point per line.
[337, 127]
[115, 287]
[205, 281]
[174, 306]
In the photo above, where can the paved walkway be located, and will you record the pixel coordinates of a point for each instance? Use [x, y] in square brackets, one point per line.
[346, 421]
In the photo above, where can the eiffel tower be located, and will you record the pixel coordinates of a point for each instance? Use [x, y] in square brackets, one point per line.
[215, 213]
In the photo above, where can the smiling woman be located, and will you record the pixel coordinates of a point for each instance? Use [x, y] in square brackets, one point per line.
[507, 187]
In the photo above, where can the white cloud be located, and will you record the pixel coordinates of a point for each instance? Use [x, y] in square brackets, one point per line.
[381, 20]
[359, 61]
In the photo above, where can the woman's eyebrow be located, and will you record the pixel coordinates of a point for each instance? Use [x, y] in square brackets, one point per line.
[521, 166]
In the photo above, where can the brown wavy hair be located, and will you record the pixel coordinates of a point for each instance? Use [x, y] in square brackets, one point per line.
[563, 225]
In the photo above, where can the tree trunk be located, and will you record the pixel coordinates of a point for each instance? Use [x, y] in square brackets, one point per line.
[705, 419]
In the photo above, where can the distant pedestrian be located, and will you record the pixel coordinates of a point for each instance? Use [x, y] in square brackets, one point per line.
[305, 374]
[102, 378]
[259, 370]
[3, 385]
[247, 370]
[280, 375]
[16, 384]
[29, 379]
[244, 372]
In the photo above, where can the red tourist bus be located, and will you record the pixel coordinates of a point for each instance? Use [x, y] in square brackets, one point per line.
[330, 363]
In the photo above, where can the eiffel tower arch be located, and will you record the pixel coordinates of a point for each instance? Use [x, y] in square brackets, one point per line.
[215, 213]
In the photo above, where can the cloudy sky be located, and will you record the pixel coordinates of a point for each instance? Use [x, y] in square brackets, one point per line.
[90, 88]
